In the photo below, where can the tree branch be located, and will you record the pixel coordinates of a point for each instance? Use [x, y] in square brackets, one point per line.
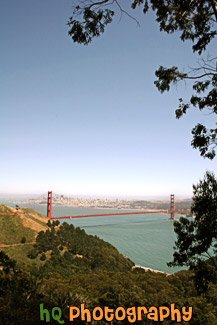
[98, 3]
[214, 7]
[198, 77]
[126, 13]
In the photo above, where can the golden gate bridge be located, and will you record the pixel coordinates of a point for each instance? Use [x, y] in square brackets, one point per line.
[171, 211]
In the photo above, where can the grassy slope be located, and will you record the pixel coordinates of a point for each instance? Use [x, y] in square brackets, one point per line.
[19, 253]
[12, 230]
[14, 227]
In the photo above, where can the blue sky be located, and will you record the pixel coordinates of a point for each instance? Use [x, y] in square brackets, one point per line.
[88, 120]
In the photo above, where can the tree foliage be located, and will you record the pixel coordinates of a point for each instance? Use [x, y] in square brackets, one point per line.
[21, 293]
[68, 250]
[204, 97]
[196, 21]
[197, 239]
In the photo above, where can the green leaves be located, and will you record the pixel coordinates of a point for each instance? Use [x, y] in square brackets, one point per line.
[195, 238]
[93, 25]
[201, 86]
[6, 263]
[138, 3]
[182, 108]
[203, 140]
[195, 20]
[166, 77]
[66, 249]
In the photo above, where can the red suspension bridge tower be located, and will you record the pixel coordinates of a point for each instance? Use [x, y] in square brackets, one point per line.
[49, 205]
[172, 206]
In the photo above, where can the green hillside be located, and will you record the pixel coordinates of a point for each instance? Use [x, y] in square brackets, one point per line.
[26, 223]
[66, 250]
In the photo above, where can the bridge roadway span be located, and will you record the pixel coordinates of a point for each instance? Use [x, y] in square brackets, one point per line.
[119, 214]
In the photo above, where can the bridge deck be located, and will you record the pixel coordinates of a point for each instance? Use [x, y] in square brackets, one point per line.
[119, 214]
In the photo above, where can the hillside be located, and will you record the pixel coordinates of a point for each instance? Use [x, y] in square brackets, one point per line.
[66, 250]
[26, 223]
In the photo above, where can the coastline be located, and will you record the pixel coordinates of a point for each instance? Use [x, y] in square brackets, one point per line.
[149, 269]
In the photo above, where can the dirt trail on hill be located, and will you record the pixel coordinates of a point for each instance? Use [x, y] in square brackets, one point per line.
[19, 244]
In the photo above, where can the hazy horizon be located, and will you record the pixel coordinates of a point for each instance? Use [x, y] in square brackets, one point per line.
[13, 196]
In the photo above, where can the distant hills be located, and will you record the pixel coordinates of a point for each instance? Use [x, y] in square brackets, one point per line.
[112, 203]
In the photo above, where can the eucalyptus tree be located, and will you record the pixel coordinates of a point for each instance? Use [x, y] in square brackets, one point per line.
[196, 244]
[195, 20]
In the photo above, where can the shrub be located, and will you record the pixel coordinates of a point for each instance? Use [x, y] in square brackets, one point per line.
[23, 240]
[43, 257]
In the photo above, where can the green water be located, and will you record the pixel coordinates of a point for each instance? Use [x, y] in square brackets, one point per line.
[147, 239]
